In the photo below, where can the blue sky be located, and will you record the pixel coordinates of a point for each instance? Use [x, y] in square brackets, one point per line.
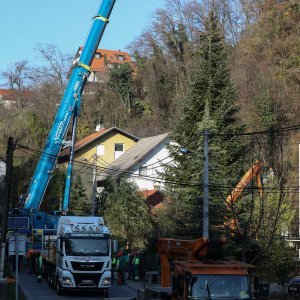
[26, 23]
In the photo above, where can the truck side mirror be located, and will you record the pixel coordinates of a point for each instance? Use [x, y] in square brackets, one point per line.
[115, 246]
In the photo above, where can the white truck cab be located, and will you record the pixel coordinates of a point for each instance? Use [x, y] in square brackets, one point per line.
[83, 254]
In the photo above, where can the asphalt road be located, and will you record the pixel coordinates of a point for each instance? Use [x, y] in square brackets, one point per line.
[41, 291]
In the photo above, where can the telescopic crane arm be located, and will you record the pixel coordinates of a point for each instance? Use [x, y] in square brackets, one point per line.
[69, 106]
[253, 172]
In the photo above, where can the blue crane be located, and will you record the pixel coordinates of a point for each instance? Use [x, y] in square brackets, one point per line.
[68, 110]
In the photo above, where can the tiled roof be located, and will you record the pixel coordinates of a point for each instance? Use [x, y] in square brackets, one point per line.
[152, 197]
[94, 136]
[107, 57]
[132, 156]
[11, 93]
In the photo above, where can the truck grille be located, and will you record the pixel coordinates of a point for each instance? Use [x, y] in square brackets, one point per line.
[87, 266]
[87, 280]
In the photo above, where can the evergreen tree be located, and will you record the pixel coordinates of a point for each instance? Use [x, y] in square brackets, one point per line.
[78, 199]
[121, 82]
[125, 212]
[55, 191]
[210, 106]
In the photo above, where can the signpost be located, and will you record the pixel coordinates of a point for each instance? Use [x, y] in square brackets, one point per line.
[18, 225]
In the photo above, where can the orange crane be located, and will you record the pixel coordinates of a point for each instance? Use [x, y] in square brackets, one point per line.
[252, 173]
[190, 269]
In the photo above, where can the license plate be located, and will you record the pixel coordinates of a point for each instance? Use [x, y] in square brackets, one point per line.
[86, 281]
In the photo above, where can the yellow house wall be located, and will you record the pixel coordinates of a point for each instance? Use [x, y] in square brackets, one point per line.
[109, 142]
[87, 152]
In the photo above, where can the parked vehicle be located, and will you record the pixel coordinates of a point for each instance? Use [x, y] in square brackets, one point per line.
[294, 285]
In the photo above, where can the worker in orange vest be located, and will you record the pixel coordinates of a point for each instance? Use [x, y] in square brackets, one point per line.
[31, 257]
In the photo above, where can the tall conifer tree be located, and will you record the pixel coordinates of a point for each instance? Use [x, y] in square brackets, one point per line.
[210, 106]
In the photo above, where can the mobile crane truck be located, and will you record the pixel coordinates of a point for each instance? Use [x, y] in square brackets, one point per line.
[191, 270]
[81, 257]
[67, 110]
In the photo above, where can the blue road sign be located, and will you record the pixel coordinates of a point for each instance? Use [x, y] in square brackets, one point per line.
[17, 223]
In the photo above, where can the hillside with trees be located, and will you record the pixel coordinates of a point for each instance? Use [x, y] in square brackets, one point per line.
[229, 67]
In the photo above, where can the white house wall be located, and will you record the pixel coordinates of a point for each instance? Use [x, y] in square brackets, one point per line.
[154, 159]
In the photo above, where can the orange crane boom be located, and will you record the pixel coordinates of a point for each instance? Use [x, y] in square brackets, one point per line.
[253, 172]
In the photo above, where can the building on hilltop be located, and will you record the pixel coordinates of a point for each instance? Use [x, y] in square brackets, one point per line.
[12, 98]
[104, 61]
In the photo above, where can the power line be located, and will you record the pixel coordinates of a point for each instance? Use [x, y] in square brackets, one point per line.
[213, 188]
[275, 130]
[130, 174]
[118, 171]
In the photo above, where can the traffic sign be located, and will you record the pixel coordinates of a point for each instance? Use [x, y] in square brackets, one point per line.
[16, 223]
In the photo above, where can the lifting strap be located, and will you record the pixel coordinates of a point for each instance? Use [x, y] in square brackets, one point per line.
[105, 20]
[80, 64]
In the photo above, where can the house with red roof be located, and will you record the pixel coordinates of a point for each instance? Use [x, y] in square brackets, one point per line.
[104, 61]
[11, 98]
[107, 144]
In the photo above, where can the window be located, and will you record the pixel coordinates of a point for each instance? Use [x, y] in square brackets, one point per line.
[119, 150]
[100, 150]
[121, 58]
[143, 171]
[98, 55]
[86, 247]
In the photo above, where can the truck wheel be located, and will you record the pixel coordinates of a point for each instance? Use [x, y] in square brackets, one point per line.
[53, 281]
[104, 294]
[59, 289]
[49, 280]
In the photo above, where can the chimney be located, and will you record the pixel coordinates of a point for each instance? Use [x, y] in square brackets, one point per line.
[99, 127]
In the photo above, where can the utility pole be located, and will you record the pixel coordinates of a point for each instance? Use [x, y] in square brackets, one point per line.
[205, 187]
[9, 164]
[94, 184]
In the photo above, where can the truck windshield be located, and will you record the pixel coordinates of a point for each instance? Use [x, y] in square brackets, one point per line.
[218, 287]
[87, 247]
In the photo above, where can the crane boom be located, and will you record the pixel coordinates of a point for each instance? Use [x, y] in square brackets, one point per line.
[252, 173]
[67, 108]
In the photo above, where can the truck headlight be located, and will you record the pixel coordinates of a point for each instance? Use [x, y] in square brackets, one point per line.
[106, 281]
[67, 280]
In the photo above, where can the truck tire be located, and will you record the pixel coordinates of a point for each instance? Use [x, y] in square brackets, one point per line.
[103, 293]
[50, 280]
[59, 289]
[106, 293]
